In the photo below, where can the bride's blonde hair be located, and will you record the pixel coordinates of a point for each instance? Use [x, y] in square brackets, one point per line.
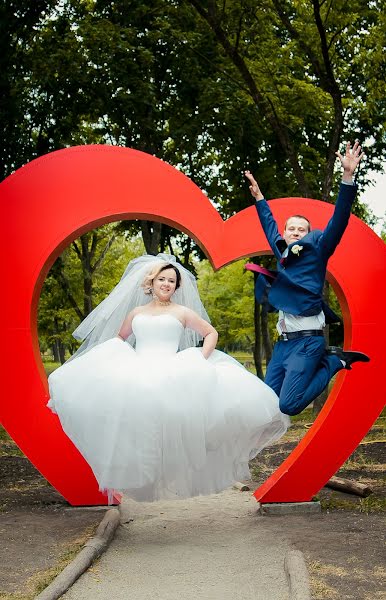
[147, 283]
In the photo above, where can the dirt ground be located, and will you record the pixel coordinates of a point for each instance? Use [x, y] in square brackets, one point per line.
[40, 533]
[343, 546]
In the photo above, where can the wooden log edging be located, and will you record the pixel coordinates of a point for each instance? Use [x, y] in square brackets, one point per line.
[350, 487]
[297, 575]
[91, 550]
[241, 486]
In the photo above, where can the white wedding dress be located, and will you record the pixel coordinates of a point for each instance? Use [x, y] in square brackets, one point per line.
[157, 423]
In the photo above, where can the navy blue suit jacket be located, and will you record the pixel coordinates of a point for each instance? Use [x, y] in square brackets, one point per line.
[298, 287]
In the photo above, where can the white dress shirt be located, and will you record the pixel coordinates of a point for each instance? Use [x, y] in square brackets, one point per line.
[288, 323]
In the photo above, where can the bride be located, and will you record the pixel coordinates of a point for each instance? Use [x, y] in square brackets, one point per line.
[154, 415]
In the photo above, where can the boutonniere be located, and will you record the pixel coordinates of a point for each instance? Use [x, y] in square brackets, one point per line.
[296, 249]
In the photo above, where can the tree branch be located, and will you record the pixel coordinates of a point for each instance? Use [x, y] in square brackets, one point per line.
[76, 248]
[103, 253]
[262, 103]
[65, 285]
[325, 73]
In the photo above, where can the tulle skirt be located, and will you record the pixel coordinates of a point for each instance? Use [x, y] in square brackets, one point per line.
[158, 427]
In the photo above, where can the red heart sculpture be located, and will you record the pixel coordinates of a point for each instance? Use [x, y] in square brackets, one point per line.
[56, 198]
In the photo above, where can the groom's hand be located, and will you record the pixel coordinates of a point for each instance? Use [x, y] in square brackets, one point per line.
[254, 187]
[350, 160]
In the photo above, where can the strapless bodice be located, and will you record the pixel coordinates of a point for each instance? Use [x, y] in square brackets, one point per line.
[158, 334]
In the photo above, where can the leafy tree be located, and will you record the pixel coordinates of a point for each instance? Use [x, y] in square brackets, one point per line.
[228, 298]
[19, 22]
[300, 66]
[79, 279]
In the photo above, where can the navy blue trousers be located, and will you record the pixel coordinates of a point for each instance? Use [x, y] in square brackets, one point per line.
[299, 371]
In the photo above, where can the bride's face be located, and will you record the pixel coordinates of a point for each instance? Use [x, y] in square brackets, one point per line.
[164, 284]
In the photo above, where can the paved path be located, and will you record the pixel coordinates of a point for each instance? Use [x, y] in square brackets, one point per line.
[206, 548]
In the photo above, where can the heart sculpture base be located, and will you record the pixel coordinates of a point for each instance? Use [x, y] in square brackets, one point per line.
[54, 199]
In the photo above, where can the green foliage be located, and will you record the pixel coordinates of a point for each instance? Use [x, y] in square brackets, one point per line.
[372, 504]
[19, 22]
[228, 297]
[293, 63]
[201, 88]
[62, 301]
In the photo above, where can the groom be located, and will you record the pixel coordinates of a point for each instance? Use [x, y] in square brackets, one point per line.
[301, 366]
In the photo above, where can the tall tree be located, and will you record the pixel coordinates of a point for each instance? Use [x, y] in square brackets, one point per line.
[299, 64]
[19, 22]
[79, 279]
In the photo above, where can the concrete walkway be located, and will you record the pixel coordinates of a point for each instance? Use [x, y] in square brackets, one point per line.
[212, 548]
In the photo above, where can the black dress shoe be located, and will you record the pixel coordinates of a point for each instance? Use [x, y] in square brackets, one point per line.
[348, 356]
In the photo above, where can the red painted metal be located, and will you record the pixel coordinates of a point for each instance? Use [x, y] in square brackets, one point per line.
[52, 200]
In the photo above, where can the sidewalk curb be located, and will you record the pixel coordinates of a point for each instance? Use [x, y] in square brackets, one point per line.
[92, 550]
[297, 575]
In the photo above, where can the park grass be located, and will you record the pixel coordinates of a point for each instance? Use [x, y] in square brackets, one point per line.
[40, 580]
[50, 366]
[7, 445]
[367, 506]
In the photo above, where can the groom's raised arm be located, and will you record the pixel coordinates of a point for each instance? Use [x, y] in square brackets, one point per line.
[337, 224]
[339, 220]
[267, 221]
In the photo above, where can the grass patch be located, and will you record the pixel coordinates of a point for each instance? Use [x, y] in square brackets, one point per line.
[372, 504]
[320, 573]
[306, 416]
[4, 437]
[358, 460]
[39, 581]
[334, 502]
[8, 446]
[320, 589]
[259, 470]
[50, 366]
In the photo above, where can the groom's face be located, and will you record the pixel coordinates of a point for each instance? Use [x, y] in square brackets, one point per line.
[295, 229]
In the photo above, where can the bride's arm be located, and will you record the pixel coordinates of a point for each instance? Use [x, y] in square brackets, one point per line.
[210, 335]
[126, 328]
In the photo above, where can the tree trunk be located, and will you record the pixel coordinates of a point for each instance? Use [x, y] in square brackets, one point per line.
[55, 351]
[59, 347]
[62, 352]
[87, 274]
[151, 235]
[267, 344]
[257, 345]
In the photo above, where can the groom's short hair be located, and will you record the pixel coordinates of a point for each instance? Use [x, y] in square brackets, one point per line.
[298, 217]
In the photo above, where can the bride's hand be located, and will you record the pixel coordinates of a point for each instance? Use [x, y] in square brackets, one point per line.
[208, 332]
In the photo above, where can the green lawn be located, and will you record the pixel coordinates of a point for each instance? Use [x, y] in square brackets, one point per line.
[50, 366]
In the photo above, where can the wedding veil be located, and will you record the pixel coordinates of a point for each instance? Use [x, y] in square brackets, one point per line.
[104, 322]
